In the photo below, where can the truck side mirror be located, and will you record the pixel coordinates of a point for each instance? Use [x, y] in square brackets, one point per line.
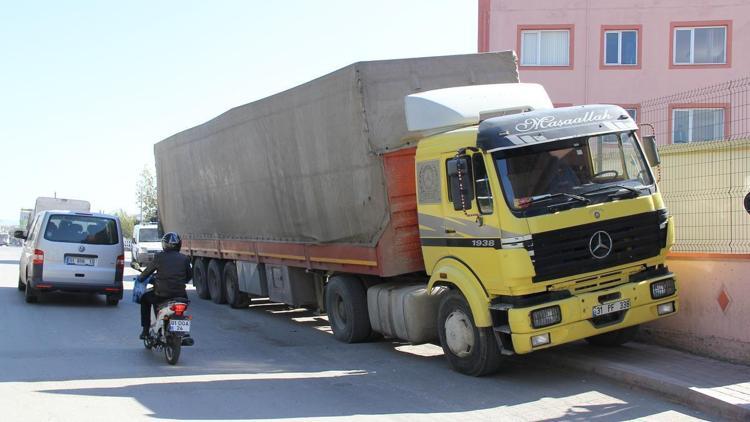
[652, 153]
[460, 182]
[18, 234]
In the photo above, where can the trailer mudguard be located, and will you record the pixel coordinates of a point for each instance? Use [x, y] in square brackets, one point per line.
[451, 271]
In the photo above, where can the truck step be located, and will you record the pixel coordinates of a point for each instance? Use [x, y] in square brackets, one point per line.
[503, 329]
[501, 306]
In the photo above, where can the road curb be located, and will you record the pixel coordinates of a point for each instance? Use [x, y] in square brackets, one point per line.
[648, 380]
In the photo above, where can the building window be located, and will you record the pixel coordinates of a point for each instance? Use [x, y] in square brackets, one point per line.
[621, 48]
[700, 45]
[697, 124]
[545, 47]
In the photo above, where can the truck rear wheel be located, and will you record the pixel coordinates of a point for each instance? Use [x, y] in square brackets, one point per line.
[215, 278]
[199, 278]
[235, 297]
[614, 338]
[346, 304]
[470, 350]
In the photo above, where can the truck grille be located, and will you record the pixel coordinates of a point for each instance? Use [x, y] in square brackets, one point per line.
[562, 253]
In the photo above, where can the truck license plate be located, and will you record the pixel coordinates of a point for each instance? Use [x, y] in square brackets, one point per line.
[609, 308]
[179, 325]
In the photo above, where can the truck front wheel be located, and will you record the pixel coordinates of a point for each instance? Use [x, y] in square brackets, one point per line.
[614, 338]
[199, 278]
[346, 304]
[470, 350]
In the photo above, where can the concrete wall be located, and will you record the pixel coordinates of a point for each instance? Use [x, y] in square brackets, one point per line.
[584, 81]
[702, 326]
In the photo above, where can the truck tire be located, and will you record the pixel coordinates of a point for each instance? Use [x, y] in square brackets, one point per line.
[199, 278]
[614, 338]
[215, 281]
[346, 304]
[235, 297]
[470, 350]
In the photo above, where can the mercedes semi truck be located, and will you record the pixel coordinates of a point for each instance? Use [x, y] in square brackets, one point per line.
[431, 200]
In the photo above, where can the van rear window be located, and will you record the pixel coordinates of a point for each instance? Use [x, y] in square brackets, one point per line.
[81, 229]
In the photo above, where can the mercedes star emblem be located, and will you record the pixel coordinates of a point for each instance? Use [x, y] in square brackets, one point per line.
[600, 244]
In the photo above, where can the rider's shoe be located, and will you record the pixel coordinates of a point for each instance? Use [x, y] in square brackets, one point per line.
[144, 334]
[187, 341]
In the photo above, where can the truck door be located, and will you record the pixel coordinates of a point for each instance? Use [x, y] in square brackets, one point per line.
[469, 202]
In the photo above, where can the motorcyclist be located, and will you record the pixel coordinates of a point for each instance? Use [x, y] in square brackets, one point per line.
[173, 272]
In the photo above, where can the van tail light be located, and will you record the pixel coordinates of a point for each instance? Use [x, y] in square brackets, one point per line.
[120, 263]
[38, 258]
[178, 308]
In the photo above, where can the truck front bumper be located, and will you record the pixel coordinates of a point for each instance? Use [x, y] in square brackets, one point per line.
[577, 319]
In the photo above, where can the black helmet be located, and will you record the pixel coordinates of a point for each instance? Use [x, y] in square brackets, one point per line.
[171, 242]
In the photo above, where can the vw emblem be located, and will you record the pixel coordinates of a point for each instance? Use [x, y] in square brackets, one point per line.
[81, 248]
[600, 244]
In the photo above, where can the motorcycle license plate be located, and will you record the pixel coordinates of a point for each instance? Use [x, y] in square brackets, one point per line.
[609, 308]
[179, 325]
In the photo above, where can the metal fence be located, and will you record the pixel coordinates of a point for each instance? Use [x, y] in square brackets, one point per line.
[704, 139]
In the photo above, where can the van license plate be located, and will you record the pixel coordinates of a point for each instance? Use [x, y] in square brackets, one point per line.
[80, 260]
[179, 325]
[609, 308]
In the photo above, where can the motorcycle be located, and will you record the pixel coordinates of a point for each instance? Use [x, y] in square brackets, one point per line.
[170, 330]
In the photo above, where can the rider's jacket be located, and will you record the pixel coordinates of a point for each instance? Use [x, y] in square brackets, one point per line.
[173, 271]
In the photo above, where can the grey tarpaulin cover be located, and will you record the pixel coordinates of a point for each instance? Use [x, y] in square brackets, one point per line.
[305, 165]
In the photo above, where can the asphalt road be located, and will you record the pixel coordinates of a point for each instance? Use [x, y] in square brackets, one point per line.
[72, 358]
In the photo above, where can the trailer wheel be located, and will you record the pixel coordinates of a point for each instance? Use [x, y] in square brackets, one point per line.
[346, 304]
[470, 350]
[215, 278]
[199, 278]
[235, 297]
[614, 338]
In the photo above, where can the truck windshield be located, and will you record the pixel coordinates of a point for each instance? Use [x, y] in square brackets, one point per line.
[149, 235]
[591, 169]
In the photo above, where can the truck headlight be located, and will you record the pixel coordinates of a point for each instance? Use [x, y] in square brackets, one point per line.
[545, 317]
[662, 288]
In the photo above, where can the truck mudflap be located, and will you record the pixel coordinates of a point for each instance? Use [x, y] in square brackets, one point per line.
[583, 315]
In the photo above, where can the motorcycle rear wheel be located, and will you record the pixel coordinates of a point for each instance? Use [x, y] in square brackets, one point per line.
[172, 349]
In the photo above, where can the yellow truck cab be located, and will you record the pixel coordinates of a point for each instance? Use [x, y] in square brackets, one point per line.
[546, 223]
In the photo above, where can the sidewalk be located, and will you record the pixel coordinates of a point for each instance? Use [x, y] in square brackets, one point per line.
[717, 388]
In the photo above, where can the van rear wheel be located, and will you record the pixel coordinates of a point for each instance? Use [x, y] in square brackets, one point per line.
[112, 300]
[21, 286]
[215, 279]
[30, 294]
[199, 278]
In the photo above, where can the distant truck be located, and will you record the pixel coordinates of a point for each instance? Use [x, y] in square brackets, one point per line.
[425, 199]
[146, 244]
[58, 204]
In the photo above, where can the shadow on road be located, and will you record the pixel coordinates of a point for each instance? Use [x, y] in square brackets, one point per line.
[265, 362]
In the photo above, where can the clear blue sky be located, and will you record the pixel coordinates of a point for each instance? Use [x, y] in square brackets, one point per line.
[87, 87]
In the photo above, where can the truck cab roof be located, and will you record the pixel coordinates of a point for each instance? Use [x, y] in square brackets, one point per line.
[539, 126]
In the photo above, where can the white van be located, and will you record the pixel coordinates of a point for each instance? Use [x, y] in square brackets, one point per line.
[146, 244]
[74, 252]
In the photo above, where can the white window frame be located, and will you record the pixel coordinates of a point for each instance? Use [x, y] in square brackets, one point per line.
[692, 44]
[619, 47]
[690, 122]
[538, 33]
